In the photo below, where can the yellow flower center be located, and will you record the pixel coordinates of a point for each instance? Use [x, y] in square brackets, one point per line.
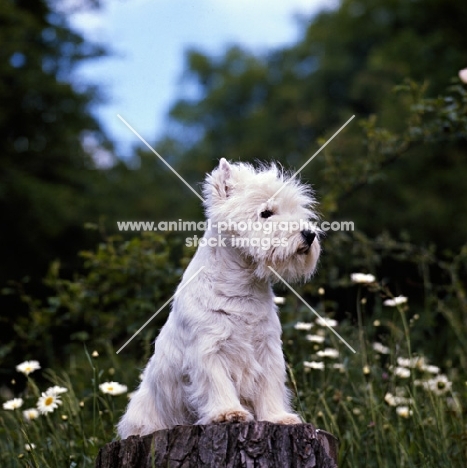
[49, 400]
[110, 389]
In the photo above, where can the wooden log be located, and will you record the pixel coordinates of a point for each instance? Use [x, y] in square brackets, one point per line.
[255, 444]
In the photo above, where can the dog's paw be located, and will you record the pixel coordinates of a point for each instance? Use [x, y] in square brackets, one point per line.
[233, 415]
[286, 418]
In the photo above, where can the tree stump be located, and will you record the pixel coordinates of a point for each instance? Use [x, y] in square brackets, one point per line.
[255, 444]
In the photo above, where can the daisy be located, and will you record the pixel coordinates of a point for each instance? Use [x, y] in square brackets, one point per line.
[47, 403]
[303, 326]
[362, 278]
[396, 301]
[27, 367]
[30, 414]
[328, 352]
[314, 365]
[322, 322]
[279, 300]
[13, 404]
[439, 385]
[463, 75]
[113, 388]
[404, 411]
[315, 338]
[380, 348]
[56, 390]
[402, 372]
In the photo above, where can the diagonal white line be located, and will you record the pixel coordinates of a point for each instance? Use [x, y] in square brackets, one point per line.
[160, 157]
[176, 292]
[316, 154]
[311, 308]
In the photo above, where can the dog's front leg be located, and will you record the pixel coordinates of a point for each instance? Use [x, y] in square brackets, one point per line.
[213, 394]
[272, 401]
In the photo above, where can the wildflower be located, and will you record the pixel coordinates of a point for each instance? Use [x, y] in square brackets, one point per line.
[27, 367]
[390, 399]
[113, 388]
[394, 302]
[95, 354]
[439, 385]
[56, 390]
[29, 447]
[404, 411]
[322, 322]
[402, 372]
[362, 278]
[47, 403]
[366, 370]
[376, 323]
[13, 404]
[431, 369]
[463, 75]
[314, 365]
[356, 411]
[328, 352]
[279, 300]
[303, 326]
[338, 366]
[412, 363]
[30, 414]
[380, 348]
[321, 291]
[315, 338]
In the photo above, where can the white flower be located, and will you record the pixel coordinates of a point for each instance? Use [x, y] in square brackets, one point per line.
[29, 447]
[413, 362]
[380, 348]
[314, 365]
[322, 322]
[463, 75]
[279, 300]
[47, 403]
[303, 326]
[328, 352]
[394, 400]
[404, 411]
[30, 414]
[339, 367]
[390, 399]
[56, 390]
[399, 300]
[439, 385]
[13, 404]
[27, 367]
[113, 388]
[362, 278]
[402, 372]
[315, 338]
[431, 369]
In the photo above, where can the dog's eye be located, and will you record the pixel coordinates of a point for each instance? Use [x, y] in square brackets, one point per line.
[266, 214]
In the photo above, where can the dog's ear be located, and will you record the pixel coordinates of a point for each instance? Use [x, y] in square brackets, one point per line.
[220, 180]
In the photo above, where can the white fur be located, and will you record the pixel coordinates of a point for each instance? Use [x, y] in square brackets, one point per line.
[219, 356]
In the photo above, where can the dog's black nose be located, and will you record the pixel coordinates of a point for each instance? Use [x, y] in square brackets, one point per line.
[309, 237]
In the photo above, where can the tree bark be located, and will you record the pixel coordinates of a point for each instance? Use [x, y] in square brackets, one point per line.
[237, 445]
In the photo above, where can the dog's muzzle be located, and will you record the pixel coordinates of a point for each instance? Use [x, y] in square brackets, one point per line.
[308, 237]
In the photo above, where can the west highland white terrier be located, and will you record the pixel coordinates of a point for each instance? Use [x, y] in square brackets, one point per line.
[219, 356]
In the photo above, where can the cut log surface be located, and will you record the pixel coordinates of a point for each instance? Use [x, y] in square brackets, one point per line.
[250, 445]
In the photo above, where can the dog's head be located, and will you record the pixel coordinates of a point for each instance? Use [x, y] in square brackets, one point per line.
[267, 215]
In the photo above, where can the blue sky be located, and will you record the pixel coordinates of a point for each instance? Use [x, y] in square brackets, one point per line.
[149, 37]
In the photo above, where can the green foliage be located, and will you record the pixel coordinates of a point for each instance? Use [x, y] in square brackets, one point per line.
[119, 287]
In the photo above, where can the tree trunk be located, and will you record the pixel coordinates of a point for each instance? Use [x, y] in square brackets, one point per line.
[243, 445]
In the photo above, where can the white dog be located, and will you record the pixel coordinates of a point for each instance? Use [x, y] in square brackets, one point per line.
[219, 356]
